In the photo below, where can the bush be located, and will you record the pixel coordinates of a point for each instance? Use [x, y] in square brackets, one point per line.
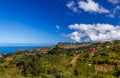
[2, 60]
[30, 66]
[65, 75]
[103, 76]
[117, 73]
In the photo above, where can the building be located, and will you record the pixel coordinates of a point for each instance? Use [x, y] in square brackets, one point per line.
[41, 51]
[92, 51]
[1, 55]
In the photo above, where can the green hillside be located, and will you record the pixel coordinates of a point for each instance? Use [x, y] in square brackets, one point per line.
[65, 60]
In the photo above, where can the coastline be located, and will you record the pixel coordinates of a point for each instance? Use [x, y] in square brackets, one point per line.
[13, 49]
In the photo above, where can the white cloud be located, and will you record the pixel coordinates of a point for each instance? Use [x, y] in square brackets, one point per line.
[114, 1]
[57, 27]
[111, 15]
[94, 32]
[91, 6]
[114, 11]
[71, 5]
[75, 36]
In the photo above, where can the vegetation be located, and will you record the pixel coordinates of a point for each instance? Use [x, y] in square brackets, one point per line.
[65, 62]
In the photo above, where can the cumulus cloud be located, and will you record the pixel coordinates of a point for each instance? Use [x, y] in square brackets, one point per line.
[71, 5]
[75, 36]
[94, 32]
[114, 1]
[91, 6]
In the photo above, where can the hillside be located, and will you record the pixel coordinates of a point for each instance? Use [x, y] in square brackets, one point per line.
[65, 60]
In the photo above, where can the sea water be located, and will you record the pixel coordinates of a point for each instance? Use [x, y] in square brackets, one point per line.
[12, 49]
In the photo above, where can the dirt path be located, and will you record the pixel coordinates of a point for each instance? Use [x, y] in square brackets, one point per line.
[74, 60]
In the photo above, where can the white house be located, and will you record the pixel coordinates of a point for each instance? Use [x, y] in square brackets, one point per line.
[1, 55]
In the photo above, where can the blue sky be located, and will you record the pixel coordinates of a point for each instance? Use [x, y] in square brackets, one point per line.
[52, 21]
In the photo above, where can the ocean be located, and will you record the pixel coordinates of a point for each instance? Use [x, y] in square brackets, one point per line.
[13, 49]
